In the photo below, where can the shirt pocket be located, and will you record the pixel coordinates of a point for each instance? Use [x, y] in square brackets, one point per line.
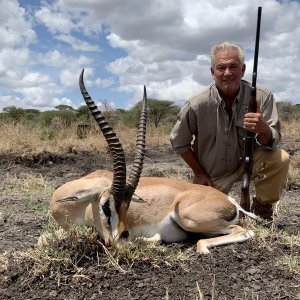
[240, 131]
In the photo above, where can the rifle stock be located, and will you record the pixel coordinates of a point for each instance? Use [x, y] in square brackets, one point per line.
[249, 140]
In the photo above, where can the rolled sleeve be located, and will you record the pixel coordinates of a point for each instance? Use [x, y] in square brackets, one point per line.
[274, 143]
[270, 115]
[183, 132]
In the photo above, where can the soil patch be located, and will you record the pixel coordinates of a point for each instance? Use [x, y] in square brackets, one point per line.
[256, 269]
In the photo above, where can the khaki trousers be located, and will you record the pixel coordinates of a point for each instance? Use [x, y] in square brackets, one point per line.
[269, 174]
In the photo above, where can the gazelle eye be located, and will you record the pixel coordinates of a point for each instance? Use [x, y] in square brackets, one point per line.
[106, 209]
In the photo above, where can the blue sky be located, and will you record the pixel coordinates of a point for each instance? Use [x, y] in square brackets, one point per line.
[124, 45]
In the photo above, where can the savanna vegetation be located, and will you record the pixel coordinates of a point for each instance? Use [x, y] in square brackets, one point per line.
[66, 129]
[41, 150]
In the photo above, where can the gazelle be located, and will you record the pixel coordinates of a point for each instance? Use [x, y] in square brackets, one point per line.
[162, 209]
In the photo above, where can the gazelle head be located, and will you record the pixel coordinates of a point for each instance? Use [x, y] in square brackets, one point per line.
[114, 201]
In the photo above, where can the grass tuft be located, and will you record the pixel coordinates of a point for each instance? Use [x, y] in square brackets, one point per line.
[74, 251]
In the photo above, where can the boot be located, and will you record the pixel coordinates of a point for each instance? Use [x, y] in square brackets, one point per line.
[263, 210]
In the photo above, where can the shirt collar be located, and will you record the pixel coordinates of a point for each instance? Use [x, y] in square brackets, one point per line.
[221, 101]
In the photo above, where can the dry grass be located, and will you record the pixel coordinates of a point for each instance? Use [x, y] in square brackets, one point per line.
[290, 128]
[82, 244]
[15, 138]
[23, 140]
[290, 131]
[26, 185]
[294, 171]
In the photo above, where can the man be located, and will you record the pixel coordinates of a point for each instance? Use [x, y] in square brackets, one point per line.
[211, 126]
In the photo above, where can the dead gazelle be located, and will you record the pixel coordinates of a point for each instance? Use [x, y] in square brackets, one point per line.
[171, 209]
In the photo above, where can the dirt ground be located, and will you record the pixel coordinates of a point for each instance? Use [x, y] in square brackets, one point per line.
[251, 270]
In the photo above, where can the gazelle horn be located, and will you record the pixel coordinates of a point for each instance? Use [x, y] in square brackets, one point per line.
[115, 147]
[136, 170]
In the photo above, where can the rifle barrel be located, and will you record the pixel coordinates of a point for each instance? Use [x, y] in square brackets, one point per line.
[256, 47]
[249, 139]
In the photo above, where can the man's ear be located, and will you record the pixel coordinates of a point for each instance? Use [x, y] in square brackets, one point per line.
[212, 72]
[244, 69]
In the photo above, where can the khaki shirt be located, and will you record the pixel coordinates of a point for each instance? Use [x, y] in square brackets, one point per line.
[204, 126]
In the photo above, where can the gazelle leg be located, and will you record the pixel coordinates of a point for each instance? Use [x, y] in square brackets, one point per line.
[156, 239]
[237, 234]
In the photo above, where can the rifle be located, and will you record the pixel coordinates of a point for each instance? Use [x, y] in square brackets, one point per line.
[249, 140]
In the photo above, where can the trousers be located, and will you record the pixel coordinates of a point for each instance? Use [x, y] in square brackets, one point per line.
[269, 174]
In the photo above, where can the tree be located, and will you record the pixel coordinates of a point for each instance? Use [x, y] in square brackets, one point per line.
[66, 114]
[108, 111]
[14, 113]
[83, 113]
[64, 107]
[130, 117]
[31, 114]
[46, 117]
[286, 110]
[158, 109]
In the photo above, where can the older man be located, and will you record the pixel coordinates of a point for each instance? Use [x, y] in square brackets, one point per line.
[211, 126]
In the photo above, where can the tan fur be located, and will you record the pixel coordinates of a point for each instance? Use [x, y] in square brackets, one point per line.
[169, 209]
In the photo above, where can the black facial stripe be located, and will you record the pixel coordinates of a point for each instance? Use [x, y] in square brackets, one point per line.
[106, 209]
[124, 234]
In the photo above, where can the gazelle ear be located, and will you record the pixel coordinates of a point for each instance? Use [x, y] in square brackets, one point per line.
[105, 194]
[81, 196]
[136, 198]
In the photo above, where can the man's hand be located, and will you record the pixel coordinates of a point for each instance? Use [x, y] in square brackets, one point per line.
[202, 179]
[254, 122]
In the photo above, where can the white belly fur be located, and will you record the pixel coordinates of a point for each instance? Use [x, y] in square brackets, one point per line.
[168, 230]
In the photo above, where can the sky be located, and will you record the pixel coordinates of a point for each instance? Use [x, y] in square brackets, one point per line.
[124, 45]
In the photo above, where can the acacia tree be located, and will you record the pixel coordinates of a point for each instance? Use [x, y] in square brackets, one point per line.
[83, 113]
[66, 113]
[14, 113]
[64, 107]
[157, 110]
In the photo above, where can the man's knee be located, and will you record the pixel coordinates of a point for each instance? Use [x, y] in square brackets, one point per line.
[281, 161]
[285, 159]
[270, 170]
[276, 159]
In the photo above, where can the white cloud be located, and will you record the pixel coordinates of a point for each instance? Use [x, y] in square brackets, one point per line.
[165, 45]
[9, 100]
[59, 101]
[104, 82]
[68, 78]
[53, 58]
[77, 44]
[55, 21]
[12, 62]
[56, 58]
[15, 29]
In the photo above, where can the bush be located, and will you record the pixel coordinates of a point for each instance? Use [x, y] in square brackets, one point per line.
[286, 110]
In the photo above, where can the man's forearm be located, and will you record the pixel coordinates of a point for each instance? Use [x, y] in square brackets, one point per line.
[190, 159]
[265, 136]
[200, 175]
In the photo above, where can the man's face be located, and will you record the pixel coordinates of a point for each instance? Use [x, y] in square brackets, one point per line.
[227, 72]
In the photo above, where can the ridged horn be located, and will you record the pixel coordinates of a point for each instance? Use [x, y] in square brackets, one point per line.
[115, 147]
[137, 166]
